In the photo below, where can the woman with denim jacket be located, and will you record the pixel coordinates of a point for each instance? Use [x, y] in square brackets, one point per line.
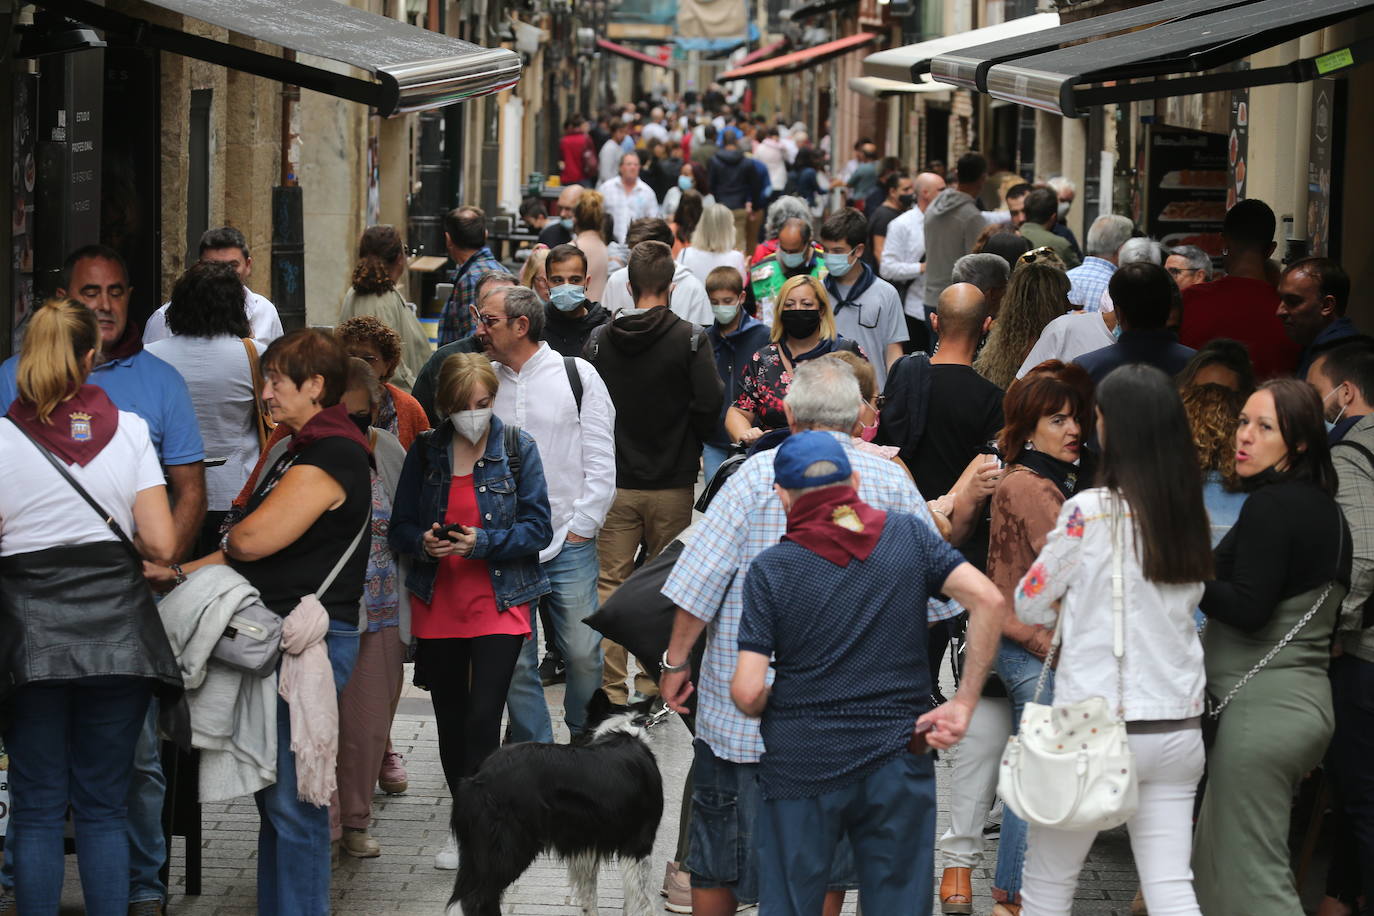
[472, 518]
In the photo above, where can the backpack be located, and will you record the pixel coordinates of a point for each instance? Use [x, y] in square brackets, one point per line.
[908, 402]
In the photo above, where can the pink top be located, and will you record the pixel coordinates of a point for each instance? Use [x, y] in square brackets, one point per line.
[464, 603]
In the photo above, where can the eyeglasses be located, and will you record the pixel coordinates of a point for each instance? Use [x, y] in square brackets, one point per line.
[489, 320]
[368, 358]
[1036, 254]
[1177, 272]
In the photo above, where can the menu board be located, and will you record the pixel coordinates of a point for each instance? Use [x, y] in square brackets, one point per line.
[1186, 187]
[1238, 146]
[1319, 168]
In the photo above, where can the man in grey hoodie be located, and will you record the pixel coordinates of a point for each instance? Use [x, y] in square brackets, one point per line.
[952, 224]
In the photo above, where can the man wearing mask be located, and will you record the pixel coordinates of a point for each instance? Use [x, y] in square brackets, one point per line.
[569, 318]
[902, 260]
[1064, 193]
[795, 256]
[560, 231]
[901, 195]
[866, 307]
[735, 337]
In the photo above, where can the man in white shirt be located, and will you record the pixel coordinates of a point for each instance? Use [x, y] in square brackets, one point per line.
[687, 297]
[608, 158]
[228, 245]
[627, 197]
[904, 252]
[573, 423]
[654, 131]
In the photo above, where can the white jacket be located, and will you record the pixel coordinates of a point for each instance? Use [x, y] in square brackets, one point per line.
[233, 714]
[1164, 675]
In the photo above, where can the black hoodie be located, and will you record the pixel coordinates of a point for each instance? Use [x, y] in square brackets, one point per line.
[733, 179]
[568, 335]
[661, 375]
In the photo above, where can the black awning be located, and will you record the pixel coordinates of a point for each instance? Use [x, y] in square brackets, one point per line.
[1171, 57]
[817, 7]
[411, 68]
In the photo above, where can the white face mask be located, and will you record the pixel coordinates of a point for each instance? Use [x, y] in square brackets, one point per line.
[471, 424]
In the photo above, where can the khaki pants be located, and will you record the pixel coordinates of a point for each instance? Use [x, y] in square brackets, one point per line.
[742, 222]
[651, 518]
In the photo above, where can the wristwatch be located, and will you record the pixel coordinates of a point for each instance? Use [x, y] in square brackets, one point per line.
[668, 668]
[176, 571]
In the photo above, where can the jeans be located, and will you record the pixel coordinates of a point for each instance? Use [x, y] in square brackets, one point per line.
[1018, 670]
[293, 839]
[572, 575]
[1168, 767]
[712, 456]
[973, 782]
[147, 792]
[72, 742]
[888, 817]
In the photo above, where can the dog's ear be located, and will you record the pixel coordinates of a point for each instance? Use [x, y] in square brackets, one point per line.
[599, 708]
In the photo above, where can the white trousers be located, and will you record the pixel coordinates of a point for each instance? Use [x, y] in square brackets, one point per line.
[973, 781]
[1169, 765]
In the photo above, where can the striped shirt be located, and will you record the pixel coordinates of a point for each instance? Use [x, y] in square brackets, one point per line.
[1088, 281]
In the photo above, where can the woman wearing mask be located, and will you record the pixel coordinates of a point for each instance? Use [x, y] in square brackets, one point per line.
[685, 219]
[1037, 294]
[713, 245]
[381, 264]
[1281, 574]
[805, 329]
[471, 515]
[687, 180]
[1047, 415]
[84, 650]
[735, 337]
[1148, 517]
[589, 234]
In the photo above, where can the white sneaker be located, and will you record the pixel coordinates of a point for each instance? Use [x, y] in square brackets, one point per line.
[446, 859]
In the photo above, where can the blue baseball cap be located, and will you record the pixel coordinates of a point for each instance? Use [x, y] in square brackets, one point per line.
[800, 452]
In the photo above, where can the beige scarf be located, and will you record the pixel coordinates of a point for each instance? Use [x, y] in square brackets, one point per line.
[307, 686]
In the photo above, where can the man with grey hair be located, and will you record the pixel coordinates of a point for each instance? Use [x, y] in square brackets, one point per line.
[707, 585]
[1189, 265]
[1139, 250]
[428, 379]
[1088, 281]
[787, 207]
[989, 272]
[795, 256]
[627, 197]
[562, 402]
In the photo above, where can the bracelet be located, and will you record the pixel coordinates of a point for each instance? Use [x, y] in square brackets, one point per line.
[224, 543]
[176, 571]
[669, 668]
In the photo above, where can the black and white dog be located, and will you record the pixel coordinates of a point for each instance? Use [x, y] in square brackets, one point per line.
[584, 802]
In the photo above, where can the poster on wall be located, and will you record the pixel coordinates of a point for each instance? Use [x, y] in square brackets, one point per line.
[1238, 145]
[1319, 168]
[1187, 187]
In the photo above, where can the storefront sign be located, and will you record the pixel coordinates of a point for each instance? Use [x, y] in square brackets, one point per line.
[1238, 146]
[1319, 167]
[1187, 187]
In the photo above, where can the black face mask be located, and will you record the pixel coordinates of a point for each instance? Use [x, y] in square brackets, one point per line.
[906, 200]
[801, 323]
[361, 420]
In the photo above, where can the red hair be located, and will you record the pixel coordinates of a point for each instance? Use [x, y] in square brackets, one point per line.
[1043, 390]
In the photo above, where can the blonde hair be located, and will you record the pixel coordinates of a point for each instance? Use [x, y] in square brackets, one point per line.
[863, 371]
[589, 213]
[459, 376]
[60, 334]
[822, 300]
[715, 231]
[534, 266]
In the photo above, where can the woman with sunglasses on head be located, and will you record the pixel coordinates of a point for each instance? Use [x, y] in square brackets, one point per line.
[381, 264]
[1282, 573]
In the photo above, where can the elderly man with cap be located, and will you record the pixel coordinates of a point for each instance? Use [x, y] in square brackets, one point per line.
[847, 720]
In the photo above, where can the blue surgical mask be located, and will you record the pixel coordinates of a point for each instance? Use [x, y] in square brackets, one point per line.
[1331, 424]
[791, 258]
[685, 183]
[838, 264]
[725, 313]
[1116, 331]
[566, 222]
[568, 297]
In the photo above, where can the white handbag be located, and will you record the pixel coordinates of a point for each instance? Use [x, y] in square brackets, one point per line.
[1071, 767]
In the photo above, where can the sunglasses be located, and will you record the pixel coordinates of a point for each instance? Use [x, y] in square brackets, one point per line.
[1036, 254]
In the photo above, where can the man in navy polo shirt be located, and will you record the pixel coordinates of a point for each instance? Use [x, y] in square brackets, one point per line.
[839, 605]
[140, 383]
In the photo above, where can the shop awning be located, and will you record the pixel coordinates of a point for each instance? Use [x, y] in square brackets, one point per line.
[410, 68]
[800, 60]
[1166, 59]
[769, 50]
[875, 87]
[816, 8]
[909, 62]
[638, 57]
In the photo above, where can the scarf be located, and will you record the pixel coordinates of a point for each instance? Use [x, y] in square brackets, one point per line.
[835, 524]
[129, 343]
[77, 430]
[824, 346]
[329, 422]
[1067, 476]
[860, 286]
[307, 686]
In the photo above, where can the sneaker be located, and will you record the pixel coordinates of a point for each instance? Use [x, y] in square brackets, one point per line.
[359, 845]
[144, 908]
[992, 831]
[446, 859]
[392, 777]
[677, 887]
[552, 670]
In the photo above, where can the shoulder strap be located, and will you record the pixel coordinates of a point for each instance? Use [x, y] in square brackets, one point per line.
[697, 336]
[510, 437]
[90, 500]
[574, 381]
[1369, 456]
[594, 341]
[348, 552]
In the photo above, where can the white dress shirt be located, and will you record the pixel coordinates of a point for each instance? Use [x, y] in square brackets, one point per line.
[1066, 338]
[901, 261]
[577, 451]
[688, 299]
[262, 319]
[627, 206]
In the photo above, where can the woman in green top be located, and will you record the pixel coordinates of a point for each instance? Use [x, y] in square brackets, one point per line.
[1281, 572]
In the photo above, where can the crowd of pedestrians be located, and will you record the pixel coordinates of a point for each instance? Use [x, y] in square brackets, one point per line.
[971, 439]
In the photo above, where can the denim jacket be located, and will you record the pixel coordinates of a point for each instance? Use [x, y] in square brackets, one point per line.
[515, 514]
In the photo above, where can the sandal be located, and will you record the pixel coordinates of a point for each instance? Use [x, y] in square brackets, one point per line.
[956, 892]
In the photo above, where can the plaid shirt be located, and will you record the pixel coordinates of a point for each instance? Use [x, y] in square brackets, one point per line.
[1088, 281]
[745, 519]
[455, 322]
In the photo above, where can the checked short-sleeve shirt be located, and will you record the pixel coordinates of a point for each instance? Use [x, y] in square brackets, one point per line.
[745, 519]
[455, 321]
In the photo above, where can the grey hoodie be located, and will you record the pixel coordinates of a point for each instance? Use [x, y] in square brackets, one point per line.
[953, 222]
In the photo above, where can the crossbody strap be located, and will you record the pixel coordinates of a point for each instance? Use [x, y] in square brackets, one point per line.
[106, 517]
[338, 567]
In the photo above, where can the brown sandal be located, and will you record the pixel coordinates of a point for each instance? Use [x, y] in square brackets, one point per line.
[956, 892]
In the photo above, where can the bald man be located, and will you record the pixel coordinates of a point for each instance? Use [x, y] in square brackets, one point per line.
[560, 231]
[901, 262]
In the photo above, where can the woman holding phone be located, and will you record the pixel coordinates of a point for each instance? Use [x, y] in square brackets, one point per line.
[472, 513]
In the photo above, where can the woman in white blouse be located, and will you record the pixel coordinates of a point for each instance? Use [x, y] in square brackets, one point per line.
[713, 245]
[1152, 492]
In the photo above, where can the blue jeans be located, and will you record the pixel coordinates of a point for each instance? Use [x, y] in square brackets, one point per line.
[888, 816]
[1019, 671]
[712, 456]
[147, 791]
[293, 839]
[572, 575]
[72, 742]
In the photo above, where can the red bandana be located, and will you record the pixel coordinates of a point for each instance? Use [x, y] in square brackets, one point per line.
[835, 524]
[77, 430]
[128, 344]
[329, 422]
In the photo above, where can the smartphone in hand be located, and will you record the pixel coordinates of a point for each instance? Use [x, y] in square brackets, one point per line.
[917, 744]
[448, 531]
